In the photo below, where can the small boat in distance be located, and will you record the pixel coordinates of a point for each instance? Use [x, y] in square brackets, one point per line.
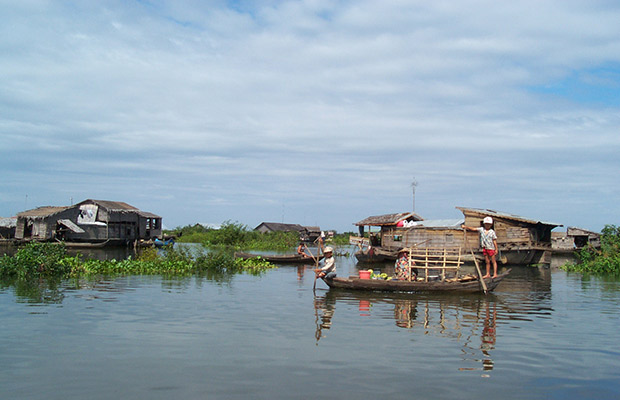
[278, 258]
[161, 243]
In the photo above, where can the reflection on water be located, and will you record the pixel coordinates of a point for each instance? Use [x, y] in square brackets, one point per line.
[154, 337]
[468, 320]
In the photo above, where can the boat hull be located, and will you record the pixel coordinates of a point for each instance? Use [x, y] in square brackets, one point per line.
[469, 286]
[277, 258]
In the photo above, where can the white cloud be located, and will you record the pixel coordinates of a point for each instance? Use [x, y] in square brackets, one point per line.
[251, 106]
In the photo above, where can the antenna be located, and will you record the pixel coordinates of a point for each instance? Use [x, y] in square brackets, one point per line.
[414, 183]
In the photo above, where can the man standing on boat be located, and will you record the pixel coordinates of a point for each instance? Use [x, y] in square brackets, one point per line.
[328, 271]
[488, 241]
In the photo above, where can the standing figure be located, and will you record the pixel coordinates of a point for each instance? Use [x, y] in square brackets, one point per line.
[488, 241]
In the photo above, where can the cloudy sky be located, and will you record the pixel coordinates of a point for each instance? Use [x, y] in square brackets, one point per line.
[318, 112]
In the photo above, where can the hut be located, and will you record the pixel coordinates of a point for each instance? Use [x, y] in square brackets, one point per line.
[380, 245]
[520, 240]
[42, 223]
[306, 233]
[574, 239]
[90, 221]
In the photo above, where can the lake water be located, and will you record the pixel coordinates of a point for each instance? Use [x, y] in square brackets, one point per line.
[543, 334]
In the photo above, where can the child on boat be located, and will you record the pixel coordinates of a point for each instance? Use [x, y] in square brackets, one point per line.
[301, 250]
[488, 241]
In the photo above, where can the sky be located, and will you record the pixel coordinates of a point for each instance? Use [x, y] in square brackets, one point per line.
[313, 112]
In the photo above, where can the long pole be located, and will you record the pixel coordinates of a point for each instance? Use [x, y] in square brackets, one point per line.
[482, 282]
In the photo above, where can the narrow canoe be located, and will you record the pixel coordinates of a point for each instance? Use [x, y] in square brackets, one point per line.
[469, 284]
[278, 258]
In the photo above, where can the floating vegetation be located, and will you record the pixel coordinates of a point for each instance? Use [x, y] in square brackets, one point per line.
[603, 261]
[51, 259]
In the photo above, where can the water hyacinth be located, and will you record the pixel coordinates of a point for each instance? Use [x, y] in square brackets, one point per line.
[51, 259]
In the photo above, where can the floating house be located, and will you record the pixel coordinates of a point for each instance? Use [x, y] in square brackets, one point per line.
[520, 240]
[574, 239]
[90, 221]
[306, 233]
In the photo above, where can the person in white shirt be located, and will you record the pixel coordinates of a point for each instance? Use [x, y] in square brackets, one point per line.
[488, 241]
[328, 271]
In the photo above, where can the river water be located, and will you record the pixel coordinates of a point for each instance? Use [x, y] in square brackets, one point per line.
[543, 334]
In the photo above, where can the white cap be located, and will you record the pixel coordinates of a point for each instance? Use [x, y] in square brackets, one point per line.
[487, 220]
[328, 250]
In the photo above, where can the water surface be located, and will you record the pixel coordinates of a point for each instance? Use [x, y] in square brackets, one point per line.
[543, 334]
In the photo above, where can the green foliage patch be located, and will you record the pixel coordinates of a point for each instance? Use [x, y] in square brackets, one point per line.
[51, 260]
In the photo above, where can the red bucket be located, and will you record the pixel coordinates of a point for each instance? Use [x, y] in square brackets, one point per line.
[364, 274]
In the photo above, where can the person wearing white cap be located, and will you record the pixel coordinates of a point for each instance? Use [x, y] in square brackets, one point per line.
[488, 241]
[328, 271]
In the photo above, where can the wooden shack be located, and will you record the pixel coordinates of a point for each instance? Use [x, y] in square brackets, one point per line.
[574, 239]
[380, 245]
[90, 221]
[306, 233]
[520, 240]
[42, 223]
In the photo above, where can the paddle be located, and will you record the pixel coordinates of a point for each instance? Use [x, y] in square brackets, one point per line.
[482, 282]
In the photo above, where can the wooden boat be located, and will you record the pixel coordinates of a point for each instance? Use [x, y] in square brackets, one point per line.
[86, 245]
[376, 255]
[465, 284]
[278, 258]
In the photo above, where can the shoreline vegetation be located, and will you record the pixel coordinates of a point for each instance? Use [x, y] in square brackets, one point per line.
[603, 261]
[36, 260]
[240, 237]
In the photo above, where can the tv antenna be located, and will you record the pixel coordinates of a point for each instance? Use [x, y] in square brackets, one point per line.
[414, 184]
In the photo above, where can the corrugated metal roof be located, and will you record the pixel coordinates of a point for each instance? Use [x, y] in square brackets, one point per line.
[388, 219]
[69, 224]
[9, 222]
[492, 213]
[440, 223]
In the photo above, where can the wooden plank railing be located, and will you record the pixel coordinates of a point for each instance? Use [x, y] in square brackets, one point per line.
[442, 259]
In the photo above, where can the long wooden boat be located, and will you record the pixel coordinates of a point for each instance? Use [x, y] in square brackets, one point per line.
[278, 258]
[468, 283]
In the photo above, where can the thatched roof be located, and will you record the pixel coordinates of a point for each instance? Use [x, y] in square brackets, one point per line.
[389, 219]
[280, 227]
[41, 212]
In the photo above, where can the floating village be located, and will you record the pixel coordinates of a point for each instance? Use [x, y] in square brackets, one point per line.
[520, 240]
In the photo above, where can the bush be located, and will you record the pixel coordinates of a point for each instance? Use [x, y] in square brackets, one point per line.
[51, 259]
[36, 259]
